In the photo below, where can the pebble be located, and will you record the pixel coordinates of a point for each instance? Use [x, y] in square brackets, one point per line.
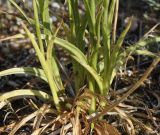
[54, 19]
[32, 51]
[55, 5]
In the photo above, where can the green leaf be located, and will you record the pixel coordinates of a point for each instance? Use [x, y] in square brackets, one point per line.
[143, 43]
[44, 12]
[145, 52]
[51, 60]
[72, 49]
[90, 8]
[111, 13]
[25, 70]
[46, 68]
[78, 56]
[98, 2]
[21, 93]
[21, 11]
[119, 42]
[37, 24]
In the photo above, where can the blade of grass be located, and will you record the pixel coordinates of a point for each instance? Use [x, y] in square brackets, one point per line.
[113, 57]
[111, 14]
[44, 12]
[12, 37]
[120, 41]
[25, 70]
[21, 93]
[21, 11]
[47, 70]
[77, 28]
[72, 49]
[115, 22]
[145, 53]
[106, 40]
[90, 14]
[143, 43]
[51, 60]
[37, 24]
[26, 119]
[80, 58]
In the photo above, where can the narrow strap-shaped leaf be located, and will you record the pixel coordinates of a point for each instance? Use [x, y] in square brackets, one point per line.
[145, 53]
[25, 70]
[111, 69]
[105, 15]
[23, 93]
[37, 24]
[71, 48]
[143, 43]
[21, 11]
[106, 38]
[98, 26]
[93, 11]
[51, 60]
[44, 11]
[111, 14]
[91, 19]
[98, 2]
[47, 70]
[12, 37]
[119, 42]
[77, 55]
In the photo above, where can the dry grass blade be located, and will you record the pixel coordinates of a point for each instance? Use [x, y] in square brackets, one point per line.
[115, 22]
[141, 124]
[56, 125]
[100, 130]
[76, 124]
[86, 129]
[63, 132]
[7, 127]
[12, 37]
[151, 30]
[39, 117]
[103, 128]
[37, 132]
[66, 127]
[3, 103]
[40, 130]
[138, 84]
[24, 121]
[122, 114]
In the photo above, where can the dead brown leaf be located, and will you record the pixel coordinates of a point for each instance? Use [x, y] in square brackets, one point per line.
[103, 128]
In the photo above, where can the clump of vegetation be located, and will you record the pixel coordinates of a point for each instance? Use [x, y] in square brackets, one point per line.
[95, 62]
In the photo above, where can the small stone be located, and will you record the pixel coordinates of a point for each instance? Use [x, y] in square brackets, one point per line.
[53, 19]
[31, 51]
[55, 5]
